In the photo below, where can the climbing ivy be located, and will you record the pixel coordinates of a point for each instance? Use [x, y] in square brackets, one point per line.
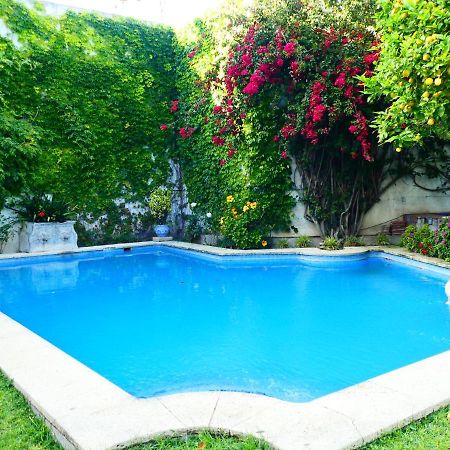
[84, 97]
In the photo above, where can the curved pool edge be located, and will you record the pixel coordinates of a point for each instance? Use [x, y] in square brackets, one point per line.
[86, 411]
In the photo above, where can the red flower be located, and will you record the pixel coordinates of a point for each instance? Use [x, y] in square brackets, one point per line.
[353, 129]
[191, 54]
[340, 80]
[280, 62]
[174, 106]
[345, 40]
[222, 162]
[354, 155]
[217, 109]
[231, 152]
[276, 138]
[186, 132]
[41, 214]
[289, 48]
[421, 245]
[218, 141]
[251, 88]
[324, 73]
[284, 154]
[163, 127]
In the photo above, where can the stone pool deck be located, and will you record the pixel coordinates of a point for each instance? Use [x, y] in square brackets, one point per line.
[86, 411]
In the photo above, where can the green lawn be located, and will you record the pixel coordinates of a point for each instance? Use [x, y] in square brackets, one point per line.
[21, 430]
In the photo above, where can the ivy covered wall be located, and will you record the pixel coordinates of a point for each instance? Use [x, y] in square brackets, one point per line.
[82, 99]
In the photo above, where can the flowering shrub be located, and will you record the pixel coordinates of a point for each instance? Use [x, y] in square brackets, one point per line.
[241, 224]
[41, 208]
[427, 242]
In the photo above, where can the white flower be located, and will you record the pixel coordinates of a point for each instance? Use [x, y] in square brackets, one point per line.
[193, 205]
[208, 215]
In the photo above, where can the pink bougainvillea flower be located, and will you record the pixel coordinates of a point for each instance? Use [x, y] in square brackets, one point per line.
[217, 109]
[276, 138]
[163, 127]
[289, 48]
[353, 129]
[217, 140]
[284, 154]
[222, 162]
[231, 152]
[174, 105]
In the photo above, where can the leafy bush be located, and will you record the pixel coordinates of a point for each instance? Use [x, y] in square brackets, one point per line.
[283, 243]
[354, 241]
[241, 224]
[6, 228]
[427, 242]
[197, 224]
[331, 243]
[160, 204]
[413, 71]
[42, 208]
[303, 241]
[382, 239]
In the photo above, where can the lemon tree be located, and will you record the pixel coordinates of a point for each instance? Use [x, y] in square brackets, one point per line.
[413, 71]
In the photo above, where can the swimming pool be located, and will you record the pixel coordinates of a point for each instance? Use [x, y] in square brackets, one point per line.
[158, 320]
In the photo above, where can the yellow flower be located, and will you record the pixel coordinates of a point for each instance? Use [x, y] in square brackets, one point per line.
[253, 205]
[221, 221]
[234, 211]
[264, 243]
[230, 199]
[245, 208]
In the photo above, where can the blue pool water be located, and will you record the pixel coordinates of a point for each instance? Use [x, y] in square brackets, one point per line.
[158, 320]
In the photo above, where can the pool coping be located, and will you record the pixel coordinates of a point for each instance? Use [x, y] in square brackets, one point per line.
[86, 411]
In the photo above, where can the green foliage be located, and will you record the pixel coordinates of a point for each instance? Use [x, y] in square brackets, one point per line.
[242, 223]
[382, 239]
[413, 71]
[354, 241]
[41, 208]
[427, 242]
[283, 243]
[6, 229]
[160, 203]
[85, 96]
[303, 241]
[331, 243]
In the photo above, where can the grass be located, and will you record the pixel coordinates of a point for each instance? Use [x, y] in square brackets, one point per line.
[21, 430]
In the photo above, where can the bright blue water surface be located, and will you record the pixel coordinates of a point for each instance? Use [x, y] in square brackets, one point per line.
[158, 320]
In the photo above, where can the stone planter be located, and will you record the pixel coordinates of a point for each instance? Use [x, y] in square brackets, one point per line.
[48, 237]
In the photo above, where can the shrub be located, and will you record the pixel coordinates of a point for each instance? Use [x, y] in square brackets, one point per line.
[354, 241]
[382, 239]
[428, 242]
[303, 241]
[241, 224]
[41, 208]
[160, 203]
[331, 243]
[283, 243]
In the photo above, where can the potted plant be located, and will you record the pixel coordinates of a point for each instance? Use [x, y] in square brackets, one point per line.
[160, 204]
[46, 224]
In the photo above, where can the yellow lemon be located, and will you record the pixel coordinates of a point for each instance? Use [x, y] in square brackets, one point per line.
[430, 121]
[426, 57]
[406, 73]
[398, 149]
[426, 94]
[429, 81]
[438, 81]
[411, 80]
[429, 39]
